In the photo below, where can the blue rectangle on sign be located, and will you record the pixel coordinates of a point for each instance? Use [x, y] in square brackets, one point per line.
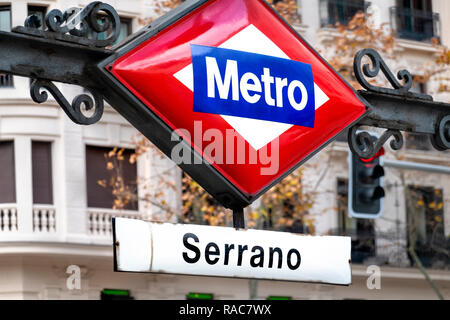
[249, 85]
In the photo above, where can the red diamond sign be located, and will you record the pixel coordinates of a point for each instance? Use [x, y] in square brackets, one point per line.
[231, 93]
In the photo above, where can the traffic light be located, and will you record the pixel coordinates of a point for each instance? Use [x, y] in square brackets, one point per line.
[366, 193]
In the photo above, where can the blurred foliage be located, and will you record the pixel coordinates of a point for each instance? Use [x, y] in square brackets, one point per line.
[358, 34]
[286, 8]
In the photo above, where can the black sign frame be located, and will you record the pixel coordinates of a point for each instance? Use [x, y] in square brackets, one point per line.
[159, 133]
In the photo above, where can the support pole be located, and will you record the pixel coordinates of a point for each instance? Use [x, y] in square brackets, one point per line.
[238, 218]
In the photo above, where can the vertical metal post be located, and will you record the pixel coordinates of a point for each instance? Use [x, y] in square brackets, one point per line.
[238, 218]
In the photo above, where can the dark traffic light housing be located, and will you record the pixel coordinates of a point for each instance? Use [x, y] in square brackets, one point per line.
[366, 190]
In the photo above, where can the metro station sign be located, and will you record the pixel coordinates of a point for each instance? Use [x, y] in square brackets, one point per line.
[231, 93]
[152, 247]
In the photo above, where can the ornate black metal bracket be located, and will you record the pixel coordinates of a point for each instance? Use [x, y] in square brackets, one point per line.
[372, 71]
[361, 143]
[395, 109]
[73, 110]
[77, 25]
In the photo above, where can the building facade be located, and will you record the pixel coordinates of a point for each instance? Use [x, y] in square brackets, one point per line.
[54, 214]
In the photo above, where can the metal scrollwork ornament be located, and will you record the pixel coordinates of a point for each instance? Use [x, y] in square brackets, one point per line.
[82, 26]
[86, 23]
[73, 110]
[372, 71]
[365, 146]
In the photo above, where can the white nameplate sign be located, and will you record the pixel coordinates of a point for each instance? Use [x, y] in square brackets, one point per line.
[142, 246]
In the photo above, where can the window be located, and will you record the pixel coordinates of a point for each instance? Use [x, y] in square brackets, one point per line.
[286, 211]
[41, 154]
[297, 226]
[362, 231]
[5, 18]
[414, 19]
[192, 205]
[115, 294]
[424, 5]
[7, 175]
[418, 142]
[125, 31]
[288, 214]
[97, 195]
[340, 11]
[425, 214]
[40, 12]
[6, 79]
[419, 86]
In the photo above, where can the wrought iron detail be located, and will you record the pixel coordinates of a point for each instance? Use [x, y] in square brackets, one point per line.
[33, 21]
[395, 109]
[362, 143]
[75, 23]
[73, 110]
[372, 71]
[441, 139]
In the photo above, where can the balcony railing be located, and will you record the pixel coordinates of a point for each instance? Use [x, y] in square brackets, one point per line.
[340, 11]
[6, 80]
[8, 217]
[100, 220]
[414, 24]
[44, 219]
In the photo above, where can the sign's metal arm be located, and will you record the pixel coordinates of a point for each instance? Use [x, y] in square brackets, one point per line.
[48, 59]
[66, 52]
[73, 110]
[397, 109]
